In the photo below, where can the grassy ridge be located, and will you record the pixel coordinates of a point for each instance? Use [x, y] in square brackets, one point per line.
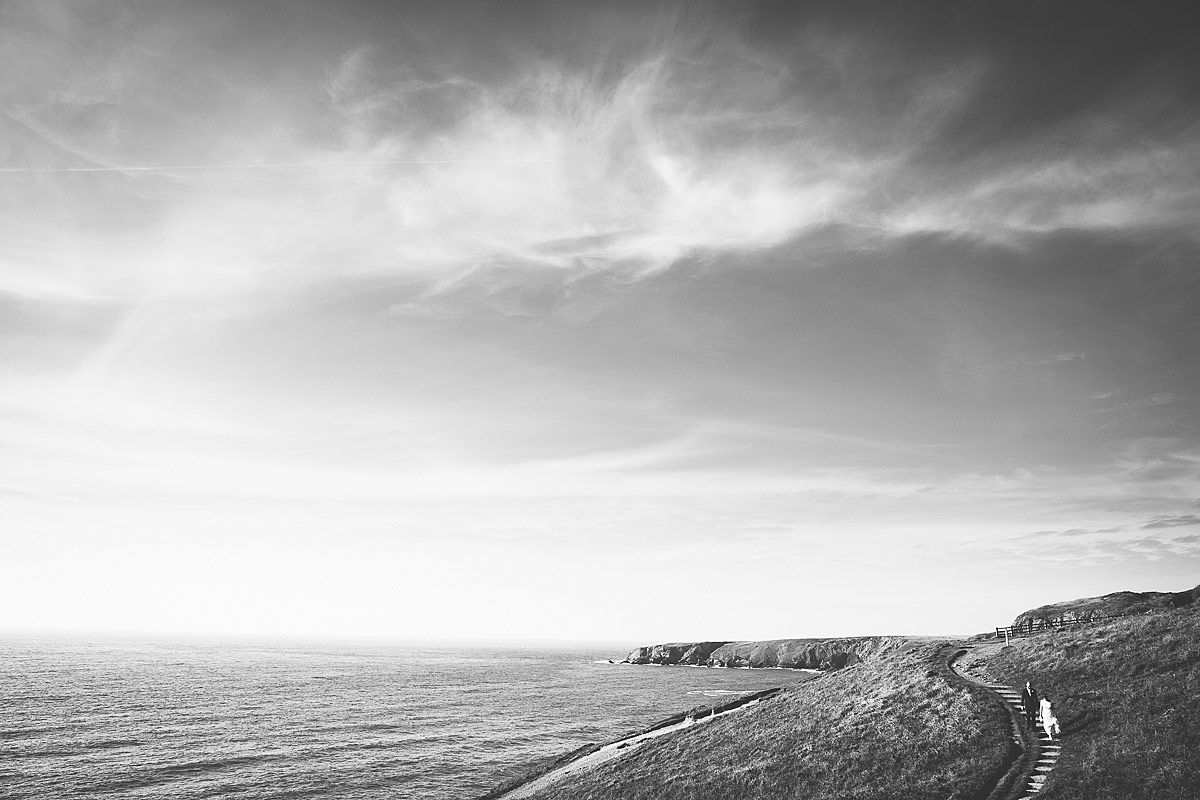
[1128, 696]
[1115, 604]
[896, 726]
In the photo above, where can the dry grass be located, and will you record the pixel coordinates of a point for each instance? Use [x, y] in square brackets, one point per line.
[1128, 696]
[895, 726]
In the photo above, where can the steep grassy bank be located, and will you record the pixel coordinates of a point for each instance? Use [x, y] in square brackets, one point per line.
[1128, 696]
[898, 725]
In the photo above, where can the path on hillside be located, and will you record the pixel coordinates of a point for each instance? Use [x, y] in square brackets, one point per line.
[1043, 754]
[630, 743]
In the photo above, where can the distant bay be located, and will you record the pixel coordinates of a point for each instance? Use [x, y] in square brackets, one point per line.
[91, 716]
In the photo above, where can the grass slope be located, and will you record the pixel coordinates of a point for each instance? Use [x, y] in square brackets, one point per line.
[898, 725]
[1127, 694]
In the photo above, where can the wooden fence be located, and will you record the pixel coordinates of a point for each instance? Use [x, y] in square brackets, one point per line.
[1033, 626]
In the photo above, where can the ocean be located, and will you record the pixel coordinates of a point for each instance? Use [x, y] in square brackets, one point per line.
[99, 717]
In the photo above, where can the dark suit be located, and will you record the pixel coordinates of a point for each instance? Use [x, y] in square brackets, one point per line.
[1029, 701]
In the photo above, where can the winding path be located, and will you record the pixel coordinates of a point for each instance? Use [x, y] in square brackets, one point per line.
[1042, 754]
[1039, 753]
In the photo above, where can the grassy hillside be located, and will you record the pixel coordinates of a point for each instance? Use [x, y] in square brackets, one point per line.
[1128, 696]
[898, 725]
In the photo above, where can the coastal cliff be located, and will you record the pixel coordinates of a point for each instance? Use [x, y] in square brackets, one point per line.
[824, 654]
[691, 653]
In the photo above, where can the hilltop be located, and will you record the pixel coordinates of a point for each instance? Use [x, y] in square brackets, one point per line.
[900, 723]
[1109, 605]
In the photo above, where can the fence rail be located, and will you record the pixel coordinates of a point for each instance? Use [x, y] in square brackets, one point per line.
[1033, 626]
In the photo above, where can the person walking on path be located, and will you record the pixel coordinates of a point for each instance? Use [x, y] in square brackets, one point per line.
[1029, 701]
[1049, 721]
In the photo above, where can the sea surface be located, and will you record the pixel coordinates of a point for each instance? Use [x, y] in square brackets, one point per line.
[188, 718]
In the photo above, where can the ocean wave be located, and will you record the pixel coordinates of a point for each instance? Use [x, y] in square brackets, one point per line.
[111, 743]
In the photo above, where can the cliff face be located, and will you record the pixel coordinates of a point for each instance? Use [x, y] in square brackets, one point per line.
[822, 654]
[1117, 603]
[694, 653]
[803, 653]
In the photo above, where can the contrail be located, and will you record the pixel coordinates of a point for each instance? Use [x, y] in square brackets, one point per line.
[279, 165]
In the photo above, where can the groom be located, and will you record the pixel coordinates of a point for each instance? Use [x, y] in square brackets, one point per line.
[1029, 701]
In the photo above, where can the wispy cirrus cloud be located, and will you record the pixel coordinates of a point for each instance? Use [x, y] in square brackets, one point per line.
[1125, 190]
[1147, 401]
[1184, 520]
[681, 141]
[441, 168]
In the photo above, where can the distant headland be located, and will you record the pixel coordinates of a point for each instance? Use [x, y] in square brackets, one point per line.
[822, 654]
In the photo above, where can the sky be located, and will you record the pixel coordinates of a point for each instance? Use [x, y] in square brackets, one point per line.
[594, 321]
